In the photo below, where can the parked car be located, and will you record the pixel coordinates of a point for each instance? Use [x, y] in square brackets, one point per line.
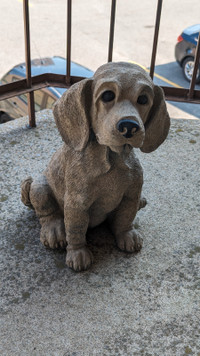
[16, 107]
[185, 51]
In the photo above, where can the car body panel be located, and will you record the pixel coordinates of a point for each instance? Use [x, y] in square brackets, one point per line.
[186, 47]
[191, 34]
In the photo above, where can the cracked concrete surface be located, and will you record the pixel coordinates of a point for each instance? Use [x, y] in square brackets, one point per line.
[126, 304]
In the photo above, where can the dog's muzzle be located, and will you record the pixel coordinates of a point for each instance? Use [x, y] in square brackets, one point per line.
[127, 127]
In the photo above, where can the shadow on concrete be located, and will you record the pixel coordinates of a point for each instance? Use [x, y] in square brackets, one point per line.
[171, 74]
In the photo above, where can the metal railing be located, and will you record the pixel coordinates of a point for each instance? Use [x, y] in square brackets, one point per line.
[30, 84]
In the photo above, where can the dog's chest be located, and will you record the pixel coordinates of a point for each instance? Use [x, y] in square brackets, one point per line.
[110, 188]
[107, 194]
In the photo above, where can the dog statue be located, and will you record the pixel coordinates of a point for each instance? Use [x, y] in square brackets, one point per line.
[95, 175]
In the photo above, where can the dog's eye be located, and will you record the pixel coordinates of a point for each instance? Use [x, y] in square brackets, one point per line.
[107, 96]
[142, 99]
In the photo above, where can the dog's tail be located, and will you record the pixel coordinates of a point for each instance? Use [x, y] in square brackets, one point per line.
[25, 189]
[143, 203]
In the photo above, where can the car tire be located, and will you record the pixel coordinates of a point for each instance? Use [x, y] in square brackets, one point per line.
[4, 118]
[188, 65]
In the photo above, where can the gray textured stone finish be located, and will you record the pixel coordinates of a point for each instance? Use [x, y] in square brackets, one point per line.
[95, 176]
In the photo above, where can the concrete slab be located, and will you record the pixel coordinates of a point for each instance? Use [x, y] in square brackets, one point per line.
[140, 304]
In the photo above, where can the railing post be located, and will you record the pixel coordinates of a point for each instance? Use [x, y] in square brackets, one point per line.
[68, 54]
[155, 40]
[112, 26]
[31, 108]
[29, 84]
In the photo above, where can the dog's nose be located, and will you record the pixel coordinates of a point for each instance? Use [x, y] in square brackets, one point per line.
[127, 127]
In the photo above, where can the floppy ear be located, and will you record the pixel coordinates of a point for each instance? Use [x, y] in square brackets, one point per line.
[71, 113]
[157, 124]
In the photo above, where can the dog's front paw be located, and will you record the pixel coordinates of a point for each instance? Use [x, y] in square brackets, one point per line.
[52, 232]
[129, 241]
[79, 259]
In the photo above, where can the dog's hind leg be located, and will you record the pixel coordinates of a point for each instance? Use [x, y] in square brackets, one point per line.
[38, 195]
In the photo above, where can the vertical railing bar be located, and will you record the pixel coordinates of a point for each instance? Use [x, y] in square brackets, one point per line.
[31, 109]
[196, 66]
[155, 40]
[68, 54]
[112, 28]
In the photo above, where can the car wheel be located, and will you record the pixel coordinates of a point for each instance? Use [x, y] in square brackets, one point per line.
[5, 118]
[188, 67]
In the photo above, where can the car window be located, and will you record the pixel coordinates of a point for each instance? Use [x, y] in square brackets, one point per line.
[38, 96]
[23, 97]
[50, 102]
[6, 79]
[15, 79]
